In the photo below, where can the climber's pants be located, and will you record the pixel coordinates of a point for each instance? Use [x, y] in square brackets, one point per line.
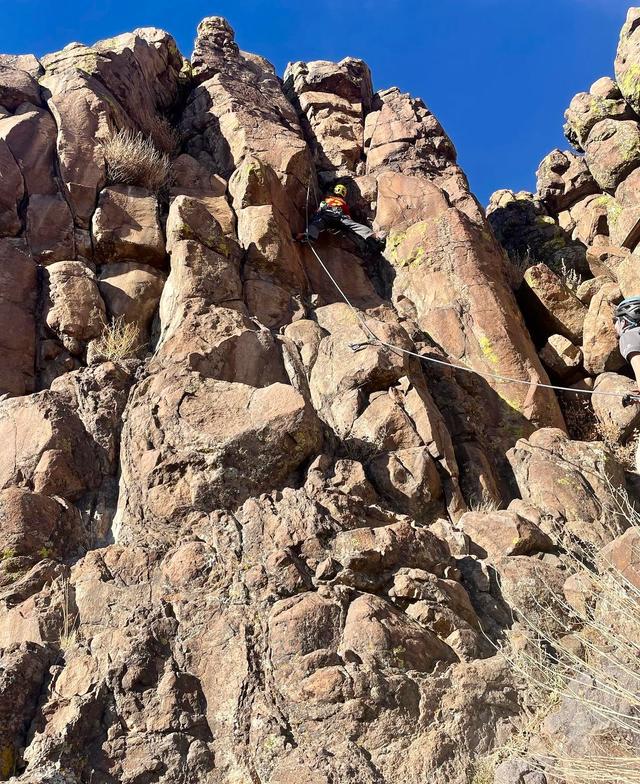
[326, 219]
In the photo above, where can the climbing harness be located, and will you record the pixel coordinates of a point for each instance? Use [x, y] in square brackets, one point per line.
[374, 340]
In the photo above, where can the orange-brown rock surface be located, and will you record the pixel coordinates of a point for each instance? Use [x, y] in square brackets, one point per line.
[240, 541]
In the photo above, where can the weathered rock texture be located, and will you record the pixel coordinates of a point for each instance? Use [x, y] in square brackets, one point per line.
[240, 542]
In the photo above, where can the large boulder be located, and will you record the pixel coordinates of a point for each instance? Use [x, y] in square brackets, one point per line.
[603, 101]
[613, 151]
[193, 445]
[47, 449]
[11, 192]
[131, 292]
[436, 282]
[563, 179]
[18, 293]
[569, 481]
[619, 422]
[74, 309]
[600, 344]
[627, 67]
[126, 227]
[333, 99]
[556, 307]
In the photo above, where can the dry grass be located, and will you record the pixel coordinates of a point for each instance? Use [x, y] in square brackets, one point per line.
[165, 136]
[134, 159]
[571, 278]
[517, 266]
[119, 340]
[486, 503]
[69, 632]
[599, 672]
[624, 453]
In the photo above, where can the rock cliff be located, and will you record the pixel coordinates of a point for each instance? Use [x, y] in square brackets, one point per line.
[233, 549]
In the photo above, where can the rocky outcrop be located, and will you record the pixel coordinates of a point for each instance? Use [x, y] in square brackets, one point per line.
[253, 531]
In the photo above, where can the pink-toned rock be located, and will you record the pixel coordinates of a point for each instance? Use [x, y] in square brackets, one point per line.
[18, 293]
[568, 481]
[557, 307]
[52, 453]
[74, 309]
[561, 356]
[622, 556]
[563, 179]
[38, 526]
[613, 151]
[50, 231]
[131, 292]
[404, 136]
[435, 281]
[11, 193]
[23, 671]
[333, 99]
[588, 109]
[375, 634]
[126, 227]
[626, 63]
[243, 439]
[17, 86]
[496, 534]
[30, 135]
[618, 421]
[237, 108]
[600, 344]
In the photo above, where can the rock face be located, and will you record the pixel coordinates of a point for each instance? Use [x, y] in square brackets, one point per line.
[249, 531]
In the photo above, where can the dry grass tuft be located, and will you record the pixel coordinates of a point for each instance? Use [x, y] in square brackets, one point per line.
[133, 159]
[119, 340]
[571, 278]
[598, 672]
[165, 136]
[69, 632]
[486, 503]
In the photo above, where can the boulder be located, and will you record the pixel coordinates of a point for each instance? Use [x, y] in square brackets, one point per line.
[126, 227]
[555, 305]
[613, 151]
[221, 443]
[17, 86]
[563, 179]
[569, 481]
[30, 135]
[74, 309]
[561, 357]
[626, 62]
[47, 447]
[131, 292]
[50, 232]
[37, 526]
[11, 193]
[618, 422]
[588, 109]
[496, 534]
[23, 671]
[18, 293]
[377, 634]
[600, 344]
[621, 557]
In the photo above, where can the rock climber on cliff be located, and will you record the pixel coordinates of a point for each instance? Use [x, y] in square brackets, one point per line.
[627, 323]
[334, 212]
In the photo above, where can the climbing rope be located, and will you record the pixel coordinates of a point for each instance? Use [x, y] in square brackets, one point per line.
[373, 339]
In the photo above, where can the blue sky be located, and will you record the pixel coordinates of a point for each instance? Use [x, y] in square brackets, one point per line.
[498, 73]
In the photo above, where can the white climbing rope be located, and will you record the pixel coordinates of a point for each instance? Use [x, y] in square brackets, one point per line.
[373, 339]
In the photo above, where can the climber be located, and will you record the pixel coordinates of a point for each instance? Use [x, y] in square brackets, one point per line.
[333, 212]
[627, 324]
